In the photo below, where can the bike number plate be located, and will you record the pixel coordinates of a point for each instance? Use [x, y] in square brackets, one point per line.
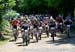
[46, 25]
[68, 26]
[52, 28]
[40, 27]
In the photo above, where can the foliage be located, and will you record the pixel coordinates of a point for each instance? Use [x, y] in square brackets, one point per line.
[54, 3]
[31, 6]
[7, 4]
[11, 3]
[4, 26]
[42, 6]
[10, 14]
[4, 6]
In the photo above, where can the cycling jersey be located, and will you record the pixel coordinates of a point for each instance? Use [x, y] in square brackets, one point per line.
[67, 22]
[59, 19]
[52, 24]
[24, 26]
[35, 25]
[15, 22]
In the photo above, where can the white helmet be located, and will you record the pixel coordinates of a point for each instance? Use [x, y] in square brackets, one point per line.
[52, 19]
[26, 30]
[35, 18]
[28, 20]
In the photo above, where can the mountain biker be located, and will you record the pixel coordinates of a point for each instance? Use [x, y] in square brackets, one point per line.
[59, 21]
[24, 25]
[46, 27]
[15, 23]
[52, 24]
[68, 20]
[40, 28]
[30, 27]
[68, 23]
[25, 31]
[35, 28]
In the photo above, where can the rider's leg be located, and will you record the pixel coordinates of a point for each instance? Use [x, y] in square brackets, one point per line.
[32, 34]
[47, 32]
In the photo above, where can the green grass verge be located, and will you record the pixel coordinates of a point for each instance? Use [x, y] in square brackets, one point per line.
[4, 41]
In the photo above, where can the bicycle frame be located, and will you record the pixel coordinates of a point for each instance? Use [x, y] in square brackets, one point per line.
[68, 30]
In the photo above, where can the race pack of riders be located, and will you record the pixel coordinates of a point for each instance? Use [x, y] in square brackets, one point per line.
[31, 26]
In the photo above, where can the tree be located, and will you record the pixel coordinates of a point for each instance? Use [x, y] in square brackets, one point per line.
[68, 6]
[53, 7]
[39, 6]
[54, 3]
[42, 6]
[4, 6]
[10, 15]
[31, 6]
[22, 6]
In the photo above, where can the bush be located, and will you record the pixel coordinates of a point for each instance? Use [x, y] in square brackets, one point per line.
[10, 14]
[5, 27]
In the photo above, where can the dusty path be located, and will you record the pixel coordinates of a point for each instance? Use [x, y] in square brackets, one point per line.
[44, 45]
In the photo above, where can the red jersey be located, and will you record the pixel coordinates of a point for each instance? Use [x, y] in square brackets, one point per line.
[15, 22]
[59, 20]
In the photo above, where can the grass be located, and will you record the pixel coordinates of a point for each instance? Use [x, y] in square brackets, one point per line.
[4, 41]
